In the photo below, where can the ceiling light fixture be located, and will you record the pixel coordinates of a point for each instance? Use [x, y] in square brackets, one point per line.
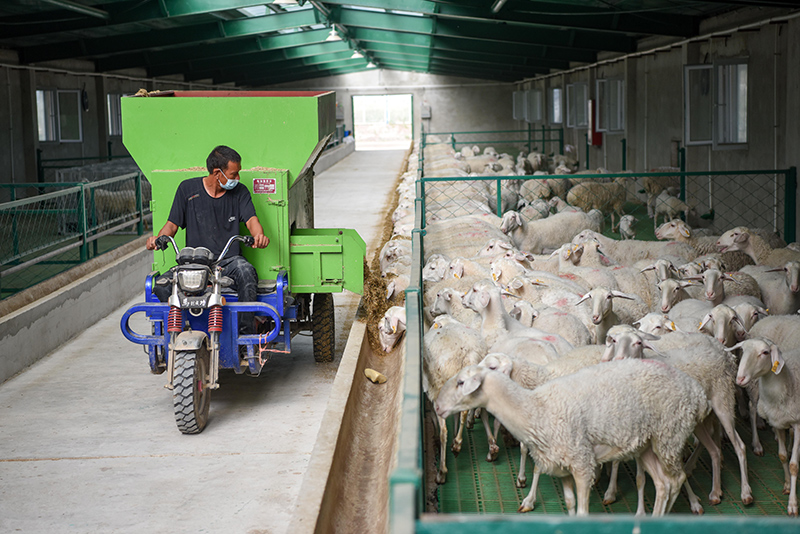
[498, 5]
[333, 36]
[285, 2]
[356, 55]
[370, 65]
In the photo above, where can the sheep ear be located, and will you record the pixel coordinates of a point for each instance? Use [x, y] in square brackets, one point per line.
[649, 337]
[741, 238]
[684, 230]
[470, 384]
[587, 296]
[516, 283]
[733, 348]
[650, 267]
[778, 270]
[390, 290]
[608, 354]
[484, 299]
[620, 294]
[647, 345]
[726, 276]
[762, 311]
[515, 312]
[707, 319]
[777, 359]
[507, 294]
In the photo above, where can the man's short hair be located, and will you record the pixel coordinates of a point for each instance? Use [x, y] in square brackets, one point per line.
[220, 157]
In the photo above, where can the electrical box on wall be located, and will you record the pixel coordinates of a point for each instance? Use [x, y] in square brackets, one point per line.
[595, 137]
[426, 111]
[339, 112]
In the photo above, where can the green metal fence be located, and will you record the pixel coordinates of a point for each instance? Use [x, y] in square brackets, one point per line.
[62, 224]
[408, 481]
[719, 200]
[542, 139]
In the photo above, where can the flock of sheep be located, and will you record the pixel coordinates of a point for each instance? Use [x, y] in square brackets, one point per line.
[591, 350]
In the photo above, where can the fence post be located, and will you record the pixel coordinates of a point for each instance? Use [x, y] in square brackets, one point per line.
[586, 136]
[624, 153]
[139, 204]
[14, 231]
[529, 137]
[84, 229]
[39, 168]
[682, 156]
[499, 209]
[561, 141]
[109, 149]
[790, 215]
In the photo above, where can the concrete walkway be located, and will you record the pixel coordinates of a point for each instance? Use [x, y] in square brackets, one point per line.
[89, 443]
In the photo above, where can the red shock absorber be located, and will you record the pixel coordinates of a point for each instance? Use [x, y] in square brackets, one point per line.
[174, 320]
[215, 319]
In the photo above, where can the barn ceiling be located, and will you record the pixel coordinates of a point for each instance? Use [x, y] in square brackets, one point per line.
[258, 43]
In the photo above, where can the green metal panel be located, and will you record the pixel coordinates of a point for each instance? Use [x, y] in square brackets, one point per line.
[275, 132]
[327, 260]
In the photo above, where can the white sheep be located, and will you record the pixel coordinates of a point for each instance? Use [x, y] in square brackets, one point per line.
[392, 327]
[741, 288]
[606, 197]
[706, 361]
[723, 324]
[631, 251]
[552, 319]
[603, 314]
[113, 204]
[678, 230]
[647, 411]
[749, 314]
[626, 227]
[743, 239]
[449, 347]
[778, 375]
[782, 329]
[780, 287]
[448, 301]
[549, 233]
[503, 333]
[559, 205]
[669, 206]
[654, 185]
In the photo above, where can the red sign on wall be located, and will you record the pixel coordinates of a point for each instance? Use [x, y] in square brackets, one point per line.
[263, 186]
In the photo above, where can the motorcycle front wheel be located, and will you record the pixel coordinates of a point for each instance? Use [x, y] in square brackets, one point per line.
[190, 396]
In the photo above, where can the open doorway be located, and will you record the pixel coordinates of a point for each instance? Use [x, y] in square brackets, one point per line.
[382, 122]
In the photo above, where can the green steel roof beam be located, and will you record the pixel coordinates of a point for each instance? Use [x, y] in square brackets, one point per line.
[548, 14]
[241, 75]
[230, 47]
[126, 12]
[298, 75]
[588, 40]
[80, 8]
[489, 30]
[425, 7]
[202, 68]
[450, 43]
[181, 36]
[510, 59]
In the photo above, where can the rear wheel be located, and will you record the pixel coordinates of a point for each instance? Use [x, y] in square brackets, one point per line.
[323, 328]
[190, 397]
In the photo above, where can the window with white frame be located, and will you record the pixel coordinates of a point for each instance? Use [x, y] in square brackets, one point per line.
[533, 108]
[577, 105]
[114, 114]
[715, 100]
[59, 115]
[554, 113]
[609, 114]
[731, 104]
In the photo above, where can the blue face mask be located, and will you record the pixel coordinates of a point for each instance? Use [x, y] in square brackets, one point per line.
[230, 184]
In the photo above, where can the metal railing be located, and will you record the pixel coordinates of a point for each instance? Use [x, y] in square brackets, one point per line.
[43, 164]
[42, 230]
[533, 139]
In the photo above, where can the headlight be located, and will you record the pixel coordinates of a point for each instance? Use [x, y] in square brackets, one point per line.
[192, 280]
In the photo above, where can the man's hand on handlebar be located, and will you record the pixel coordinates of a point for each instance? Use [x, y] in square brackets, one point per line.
[260, 241]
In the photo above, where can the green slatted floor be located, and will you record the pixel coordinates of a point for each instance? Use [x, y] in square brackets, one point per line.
[476, 486]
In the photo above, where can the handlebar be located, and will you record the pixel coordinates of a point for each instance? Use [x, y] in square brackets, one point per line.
[244, 239]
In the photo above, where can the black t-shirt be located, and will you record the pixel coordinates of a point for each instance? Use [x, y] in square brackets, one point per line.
[210, 222]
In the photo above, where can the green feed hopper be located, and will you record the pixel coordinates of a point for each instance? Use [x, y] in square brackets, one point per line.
[280, 135]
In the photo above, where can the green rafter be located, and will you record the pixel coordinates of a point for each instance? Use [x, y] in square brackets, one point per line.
[182, 36]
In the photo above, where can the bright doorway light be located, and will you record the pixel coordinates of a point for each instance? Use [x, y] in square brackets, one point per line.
[382, 122]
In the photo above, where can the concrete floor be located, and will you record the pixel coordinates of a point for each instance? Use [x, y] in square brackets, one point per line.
[89, 443]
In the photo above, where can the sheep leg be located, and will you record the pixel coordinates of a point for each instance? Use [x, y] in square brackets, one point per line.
[758, 450]
[529, 502]
[522, 478]
[727, 422]
[652, 464]
[474, 413]
[461, 421]
[441, 475]
[493, 448]
[705, 433]
[780, 435]
[640, 481]
[569, 493]
[611, 493]
[793, 468]
[583, 486]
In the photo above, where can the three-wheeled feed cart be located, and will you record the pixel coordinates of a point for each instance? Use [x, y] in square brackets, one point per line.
[280, 136]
